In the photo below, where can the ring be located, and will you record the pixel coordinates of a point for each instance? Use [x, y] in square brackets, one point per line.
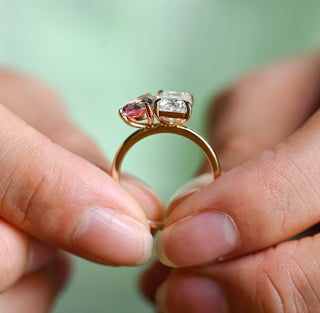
[171, 109]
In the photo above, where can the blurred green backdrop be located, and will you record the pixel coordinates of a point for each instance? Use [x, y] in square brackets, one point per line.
[98, 54]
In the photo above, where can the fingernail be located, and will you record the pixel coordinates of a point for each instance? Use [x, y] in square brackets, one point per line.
[39, 254]
[192, 294]
[113, 237]
[193, 186]
[197, 239]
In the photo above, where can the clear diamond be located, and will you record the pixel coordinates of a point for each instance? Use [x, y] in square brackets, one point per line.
[172, 101]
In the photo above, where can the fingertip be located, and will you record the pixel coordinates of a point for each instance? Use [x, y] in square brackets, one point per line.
[152, 278]
[150, 202]
[162, 254]
[189, 241]
[188, 189]
[39, 254]
[110, 237]
[191, 293]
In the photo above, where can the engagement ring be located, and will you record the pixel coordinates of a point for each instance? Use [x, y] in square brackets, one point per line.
[163, 113]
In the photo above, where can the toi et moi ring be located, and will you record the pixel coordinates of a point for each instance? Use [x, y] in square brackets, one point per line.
[171, 109]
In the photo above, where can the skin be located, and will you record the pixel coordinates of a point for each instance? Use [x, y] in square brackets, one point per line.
[226, 243]
[55, 193]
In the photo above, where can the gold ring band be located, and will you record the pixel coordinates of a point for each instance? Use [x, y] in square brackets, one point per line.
[178, 130]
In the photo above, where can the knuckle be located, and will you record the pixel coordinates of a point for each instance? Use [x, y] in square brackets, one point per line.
[29, 198]
[285, 285]
[272, 180]
[285, 189]
[26, 189]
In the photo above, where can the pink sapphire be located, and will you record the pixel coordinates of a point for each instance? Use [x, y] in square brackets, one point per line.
[137, 107]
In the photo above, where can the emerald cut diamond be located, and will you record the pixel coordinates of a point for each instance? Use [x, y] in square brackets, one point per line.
[172, 101]
[172, 107]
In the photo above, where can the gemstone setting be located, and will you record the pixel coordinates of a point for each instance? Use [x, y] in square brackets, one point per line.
[170, 108]
[173, 108]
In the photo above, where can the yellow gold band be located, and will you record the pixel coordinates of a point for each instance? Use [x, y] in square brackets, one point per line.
[178, 130]
[157, 129]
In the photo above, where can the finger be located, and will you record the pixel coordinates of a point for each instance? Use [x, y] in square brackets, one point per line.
[282, 279]
[41, 108]
[20, 254]
[190, 293]
[151, 203]
[32, 101]
[263, 109]
[79, 143]
[35, 292]
[188, 189]
[258, 112]
[66, 201]
[39, 254]
[151, 278]
[251, 207]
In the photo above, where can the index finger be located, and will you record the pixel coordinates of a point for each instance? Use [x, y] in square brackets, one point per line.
[41, 108]
[58, 197]
[258, 112]
[264, 108]
[66, 201]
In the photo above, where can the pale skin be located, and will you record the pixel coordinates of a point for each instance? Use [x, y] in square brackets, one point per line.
[55, 193]
[226, 241]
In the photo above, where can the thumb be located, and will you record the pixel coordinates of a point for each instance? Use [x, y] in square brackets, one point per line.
[257, 113]
[281, 279]
[66, 201]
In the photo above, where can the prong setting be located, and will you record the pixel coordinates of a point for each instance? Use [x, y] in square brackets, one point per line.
[173, 108]
[170, 108]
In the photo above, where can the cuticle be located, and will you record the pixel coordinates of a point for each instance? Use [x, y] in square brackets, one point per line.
[197, 212]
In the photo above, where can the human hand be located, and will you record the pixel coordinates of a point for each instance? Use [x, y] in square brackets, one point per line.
[50, 191]
[227, 239]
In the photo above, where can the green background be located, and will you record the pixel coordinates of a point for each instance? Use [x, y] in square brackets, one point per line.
[99, 54]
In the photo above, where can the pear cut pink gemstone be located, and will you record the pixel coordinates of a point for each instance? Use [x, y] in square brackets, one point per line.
[137, 107]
